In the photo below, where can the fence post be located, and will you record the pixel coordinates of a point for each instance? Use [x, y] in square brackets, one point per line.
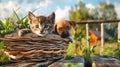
[118, 31]
[87, 33]
[102, 38]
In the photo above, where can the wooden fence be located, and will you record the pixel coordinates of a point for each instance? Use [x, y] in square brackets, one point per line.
[101, 22]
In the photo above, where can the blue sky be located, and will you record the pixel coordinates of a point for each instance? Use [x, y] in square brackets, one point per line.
[45, 7]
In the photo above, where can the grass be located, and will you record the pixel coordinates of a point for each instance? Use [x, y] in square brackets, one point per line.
[22, 22]
[79, 47]
[3, 57]
[13, 22]
[75, 48]
[6, 27]
[109, 50]
[117, 51]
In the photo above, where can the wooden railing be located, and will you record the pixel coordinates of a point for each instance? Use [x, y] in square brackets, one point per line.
[101, 22]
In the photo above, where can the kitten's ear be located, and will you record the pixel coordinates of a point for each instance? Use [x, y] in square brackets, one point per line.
[31, 16]
[52, 17]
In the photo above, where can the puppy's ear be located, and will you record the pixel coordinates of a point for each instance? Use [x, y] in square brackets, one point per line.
[52, 17]
[55, 29]
[73, 24]
[31, 16]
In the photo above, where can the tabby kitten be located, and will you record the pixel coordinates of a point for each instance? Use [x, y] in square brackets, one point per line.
[40, 25]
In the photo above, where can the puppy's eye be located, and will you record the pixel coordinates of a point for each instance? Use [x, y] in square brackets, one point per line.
[37, 26]
[67, 27]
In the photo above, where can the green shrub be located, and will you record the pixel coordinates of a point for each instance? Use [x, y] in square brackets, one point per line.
[22, 22]
[87, 52]
[112, 39]
[1, 45]
[3, 56]
[108, 51]
[75, 48]
[79, 47]
[117, 51]
[6, 27]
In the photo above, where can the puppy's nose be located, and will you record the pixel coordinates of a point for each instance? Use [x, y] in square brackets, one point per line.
[65, 34]
[41, 31]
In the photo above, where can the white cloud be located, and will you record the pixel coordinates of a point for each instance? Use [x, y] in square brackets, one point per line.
[117, 9]
[90, 6]
[44, 3]
[6, 9]
[7, 6]
[43, 7]
[108, 1]
[62, 13]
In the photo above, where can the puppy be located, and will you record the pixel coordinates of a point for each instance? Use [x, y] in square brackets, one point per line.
[63, 28]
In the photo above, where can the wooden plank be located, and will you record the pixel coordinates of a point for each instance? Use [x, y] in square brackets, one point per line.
[98, 21]
[77, 61]
[102, 38]
[118, 31]
[105, 62]
[87, 33]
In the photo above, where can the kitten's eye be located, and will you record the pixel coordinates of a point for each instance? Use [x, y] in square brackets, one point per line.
[46, 26]
[37, 26]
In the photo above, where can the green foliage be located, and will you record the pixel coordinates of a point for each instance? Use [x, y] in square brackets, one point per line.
[22, 22]
[79, 47]
[117, 52]
[75, 48]
[111, 50]
[71, 50]
[79, 14]
[1, 45]
[6, 27]
[108, 51]
[112, 39]
[105, 12]
[87, 52]
[3, 57]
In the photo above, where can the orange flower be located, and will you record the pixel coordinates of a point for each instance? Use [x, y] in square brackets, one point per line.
[93, 39]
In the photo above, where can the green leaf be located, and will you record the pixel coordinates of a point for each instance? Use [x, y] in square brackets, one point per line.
[18, 18]
[7, 24]
[1, 25]
[1, 45]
